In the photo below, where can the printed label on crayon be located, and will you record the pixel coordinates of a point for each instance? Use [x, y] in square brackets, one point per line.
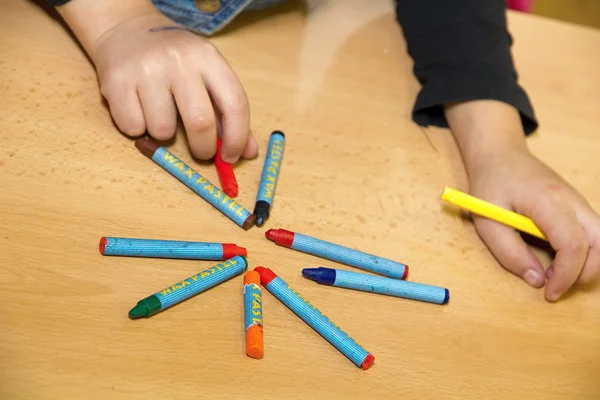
[271, 169]
[196, 278]
[252, 305]
[201, 186]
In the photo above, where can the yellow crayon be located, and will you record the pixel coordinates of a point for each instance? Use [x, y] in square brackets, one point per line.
[491, 211]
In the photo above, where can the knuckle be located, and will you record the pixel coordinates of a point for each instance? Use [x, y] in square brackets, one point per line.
[162, 131]
[133, 128]
[239, 106]
[201, 123]
[576, 245]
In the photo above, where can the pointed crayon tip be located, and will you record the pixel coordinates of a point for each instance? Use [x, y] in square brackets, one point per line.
[139, 311]
[266, 275]
[321, 275]
[272, 234]
[311, 273]
[260, 221]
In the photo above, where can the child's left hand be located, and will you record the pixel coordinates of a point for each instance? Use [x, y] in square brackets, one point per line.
[503, 171]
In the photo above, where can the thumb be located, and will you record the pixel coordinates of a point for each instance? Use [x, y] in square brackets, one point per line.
[511, 251]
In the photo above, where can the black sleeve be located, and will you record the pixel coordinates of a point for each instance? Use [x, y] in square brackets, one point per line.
[461, 52]
[55, 3]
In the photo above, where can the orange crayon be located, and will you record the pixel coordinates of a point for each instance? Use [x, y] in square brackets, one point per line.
[253, 316]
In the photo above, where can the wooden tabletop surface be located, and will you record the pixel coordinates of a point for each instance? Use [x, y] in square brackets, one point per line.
[356, 171]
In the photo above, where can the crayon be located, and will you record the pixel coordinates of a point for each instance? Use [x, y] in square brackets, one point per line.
[335, 252]
[315, 318]
[268, 180]
[491, 211]
[130, 247]
[189, 287]
[226, 174]
[377, 284]
[196, 182]
[253, 315]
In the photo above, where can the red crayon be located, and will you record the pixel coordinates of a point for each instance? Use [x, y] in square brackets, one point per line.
[338, 253]
[225, 171]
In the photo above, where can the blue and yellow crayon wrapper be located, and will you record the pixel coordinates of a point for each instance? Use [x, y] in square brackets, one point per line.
[200, 185]
[202, 281]
[272, 166]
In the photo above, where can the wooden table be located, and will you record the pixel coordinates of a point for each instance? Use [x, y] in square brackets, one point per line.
[357, 171]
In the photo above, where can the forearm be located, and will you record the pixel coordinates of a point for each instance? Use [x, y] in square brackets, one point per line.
[483, 129]
[90, 19]
[461, 53]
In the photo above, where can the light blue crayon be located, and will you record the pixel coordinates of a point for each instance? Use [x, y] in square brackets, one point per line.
[189, 287]
[196, 182]
[315, 318]
[377, 284]
[268, 180]
[335, 252]
[133, 247]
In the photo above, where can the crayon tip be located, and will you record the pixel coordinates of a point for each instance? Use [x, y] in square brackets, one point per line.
[320, 275]
[281, 237]
[139, 311]
[260, 220]
[102, 246]
[405, 272]
[446, 296]
[367, 362]
[272, 234]
[232, 250]
[266, 275]
[231, 190]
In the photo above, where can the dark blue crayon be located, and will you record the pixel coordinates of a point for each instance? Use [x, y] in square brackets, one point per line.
[268, 180]
[377, 284]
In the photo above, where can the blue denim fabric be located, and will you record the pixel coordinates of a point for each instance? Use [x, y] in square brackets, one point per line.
[186, 13]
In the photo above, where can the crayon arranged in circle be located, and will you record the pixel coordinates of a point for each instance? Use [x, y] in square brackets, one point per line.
[189, 287]
[378, 284]
[155, 248]
[315, 318]
[335, 252]
[253, 315]
[196, 182]
[270, 175]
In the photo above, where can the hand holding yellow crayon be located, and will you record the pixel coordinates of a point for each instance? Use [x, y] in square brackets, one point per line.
[491, 211]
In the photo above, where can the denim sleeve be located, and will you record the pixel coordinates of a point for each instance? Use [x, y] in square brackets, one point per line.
[461, 52]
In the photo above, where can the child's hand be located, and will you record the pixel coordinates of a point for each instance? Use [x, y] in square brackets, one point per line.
[149, 68]
[502, 171]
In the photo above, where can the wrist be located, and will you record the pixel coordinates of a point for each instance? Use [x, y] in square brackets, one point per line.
[91, 19]
[485, 130]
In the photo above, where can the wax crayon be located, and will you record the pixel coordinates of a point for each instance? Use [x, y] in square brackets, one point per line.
[377, 284]
[189, 287]
[253, 315]
[133, 247]
[270, 174]
[196, 182]
[315, 318]
[335, 252]
[492, 211]
[226, 175]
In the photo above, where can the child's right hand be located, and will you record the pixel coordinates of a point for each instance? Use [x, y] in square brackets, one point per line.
[149, 67]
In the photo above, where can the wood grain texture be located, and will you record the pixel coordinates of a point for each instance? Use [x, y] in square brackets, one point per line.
[357, 171]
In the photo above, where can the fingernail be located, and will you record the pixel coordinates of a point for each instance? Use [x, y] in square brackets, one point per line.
[534, 278]
[552, 297]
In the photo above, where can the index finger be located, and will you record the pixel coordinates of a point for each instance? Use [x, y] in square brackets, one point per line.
[231, 101]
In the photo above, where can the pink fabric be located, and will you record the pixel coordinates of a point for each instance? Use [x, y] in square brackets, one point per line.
[520, 5]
